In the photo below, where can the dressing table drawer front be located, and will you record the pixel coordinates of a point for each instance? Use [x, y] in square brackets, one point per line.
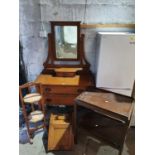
[60, 99]
[62, 90]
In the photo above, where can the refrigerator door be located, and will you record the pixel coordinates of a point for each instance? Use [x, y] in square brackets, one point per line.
[116, 62]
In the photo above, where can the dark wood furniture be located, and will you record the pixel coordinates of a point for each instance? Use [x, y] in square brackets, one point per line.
[63, 79]
[114, 106]
[35, 118]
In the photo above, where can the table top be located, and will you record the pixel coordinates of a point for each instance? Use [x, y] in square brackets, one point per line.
[51, 80]
[114, 103]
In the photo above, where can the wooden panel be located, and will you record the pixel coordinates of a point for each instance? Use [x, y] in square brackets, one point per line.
[108, 26]
[117, 104]
[65, 74]
[60, 135]
[60, 99]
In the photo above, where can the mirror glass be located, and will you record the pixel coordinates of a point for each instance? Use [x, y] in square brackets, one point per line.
[66, 42]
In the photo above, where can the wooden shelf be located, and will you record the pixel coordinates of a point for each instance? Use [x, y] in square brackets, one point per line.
[108, 26]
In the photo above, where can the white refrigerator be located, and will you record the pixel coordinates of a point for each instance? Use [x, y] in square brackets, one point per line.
[115, 62]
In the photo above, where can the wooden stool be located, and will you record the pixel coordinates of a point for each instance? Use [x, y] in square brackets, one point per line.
[35, 116]
[60, 136]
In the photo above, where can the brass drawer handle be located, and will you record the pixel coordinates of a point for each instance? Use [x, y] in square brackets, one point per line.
[48, 89]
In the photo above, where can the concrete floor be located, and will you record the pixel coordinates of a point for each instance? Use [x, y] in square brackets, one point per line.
[37, 148]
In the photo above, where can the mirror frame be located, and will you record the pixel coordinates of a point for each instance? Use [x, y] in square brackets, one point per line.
[51, 60]
[63, 23]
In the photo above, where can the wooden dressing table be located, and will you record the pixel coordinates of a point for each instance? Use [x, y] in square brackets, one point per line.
[66, 71]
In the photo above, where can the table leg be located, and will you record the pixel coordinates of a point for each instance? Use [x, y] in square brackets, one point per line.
[124, 138]
[75, 123]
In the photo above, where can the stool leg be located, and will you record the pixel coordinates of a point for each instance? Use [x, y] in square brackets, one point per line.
[32, 106]
[75, 123]
[25, 114]
[42, 103]
[27, 124]
[43, 109]
[30, 137]
[44, 119]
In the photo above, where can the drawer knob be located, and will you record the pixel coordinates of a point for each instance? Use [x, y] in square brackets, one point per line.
[48, 89]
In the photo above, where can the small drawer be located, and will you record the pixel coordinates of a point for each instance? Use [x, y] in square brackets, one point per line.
[65, 74]
[67, 90]
[62, 90]
[60, 99]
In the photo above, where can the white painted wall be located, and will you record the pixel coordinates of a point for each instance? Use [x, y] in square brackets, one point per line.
[97, 11]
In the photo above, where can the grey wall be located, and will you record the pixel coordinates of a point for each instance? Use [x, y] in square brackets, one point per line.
[35, 12]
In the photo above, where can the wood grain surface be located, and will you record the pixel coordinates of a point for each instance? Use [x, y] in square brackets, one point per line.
[111, 102]
[50, 80]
